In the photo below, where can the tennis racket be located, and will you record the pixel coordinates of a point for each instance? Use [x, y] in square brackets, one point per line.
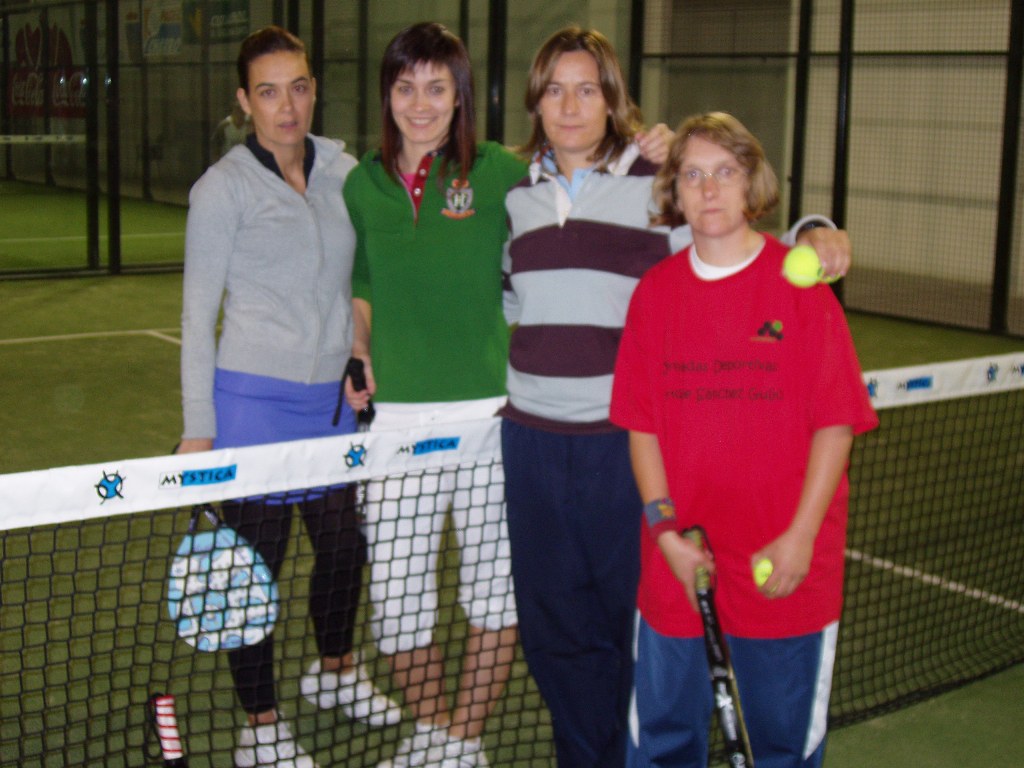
[356, 371]
[723, 679]
[164, 723]
[221, 594]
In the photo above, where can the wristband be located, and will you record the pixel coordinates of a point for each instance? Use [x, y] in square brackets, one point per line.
[812, 224]
[660, 515]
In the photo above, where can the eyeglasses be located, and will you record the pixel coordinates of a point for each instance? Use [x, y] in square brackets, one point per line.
[726, 176]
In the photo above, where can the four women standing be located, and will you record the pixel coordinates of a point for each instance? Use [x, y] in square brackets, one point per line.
[428, 211]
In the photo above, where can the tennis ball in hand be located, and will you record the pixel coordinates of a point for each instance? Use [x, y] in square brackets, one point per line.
[802, 267]
[762, 570]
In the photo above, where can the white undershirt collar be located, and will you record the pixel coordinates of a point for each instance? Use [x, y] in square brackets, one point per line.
[706, 271]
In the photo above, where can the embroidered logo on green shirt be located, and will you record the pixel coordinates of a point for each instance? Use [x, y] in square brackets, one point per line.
[460, 200]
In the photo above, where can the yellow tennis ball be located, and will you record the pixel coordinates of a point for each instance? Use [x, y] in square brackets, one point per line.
[802, 267]
[762, 570]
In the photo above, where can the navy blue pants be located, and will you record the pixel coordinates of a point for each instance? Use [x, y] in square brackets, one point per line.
[784, 686]
[574, 523]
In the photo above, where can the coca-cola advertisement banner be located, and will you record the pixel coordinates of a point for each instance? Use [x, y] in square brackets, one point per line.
[46, 49]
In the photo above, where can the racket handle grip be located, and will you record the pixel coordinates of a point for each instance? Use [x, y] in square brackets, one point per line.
[356, 372]
[696, 535]
[167, 731]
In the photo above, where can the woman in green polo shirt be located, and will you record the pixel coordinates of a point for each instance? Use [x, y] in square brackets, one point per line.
[429, 213]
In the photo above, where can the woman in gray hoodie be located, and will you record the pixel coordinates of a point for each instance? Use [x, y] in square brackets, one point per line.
[269, 248]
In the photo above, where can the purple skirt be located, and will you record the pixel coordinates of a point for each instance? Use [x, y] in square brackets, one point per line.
[254, 410]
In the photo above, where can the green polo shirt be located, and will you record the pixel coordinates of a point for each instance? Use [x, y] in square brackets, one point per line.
[434, 280]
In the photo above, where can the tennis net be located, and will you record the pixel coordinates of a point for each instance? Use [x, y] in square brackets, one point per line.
[934, 597]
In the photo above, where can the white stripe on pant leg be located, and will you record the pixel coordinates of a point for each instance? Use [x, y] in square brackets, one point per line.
[634, 717]
[823, 689]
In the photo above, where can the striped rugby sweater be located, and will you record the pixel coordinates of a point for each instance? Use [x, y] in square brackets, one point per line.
[570, 267]
[570, 270]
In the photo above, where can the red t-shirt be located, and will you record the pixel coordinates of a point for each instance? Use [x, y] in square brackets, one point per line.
[734, 376]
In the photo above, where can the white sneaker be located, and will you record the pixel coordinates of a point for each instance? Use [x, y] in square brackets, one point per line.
[463, 753]
[353, 692]
[424, 748]
[270, 744]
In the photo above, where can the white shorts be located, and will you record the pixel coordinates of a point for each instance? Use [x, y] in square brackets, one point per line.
[405, 522]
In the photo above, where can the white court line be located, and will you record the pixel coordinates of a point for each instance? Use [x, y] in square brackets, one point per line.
[159, 333]
[164, 336]
[81, 238]
[936, 581]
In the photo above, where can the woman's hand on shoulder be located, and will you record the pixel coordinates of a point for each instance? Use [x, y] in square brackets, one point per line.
[654, 143]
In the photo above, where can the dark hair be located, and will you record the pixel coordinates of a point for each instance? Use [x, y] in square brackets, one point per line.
[726, 131]
[430, 43]
[624, 119]
[261, 42]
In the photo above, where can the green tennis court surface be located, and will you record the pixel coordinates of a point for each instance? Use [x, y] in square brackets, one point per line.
[935, 539]
[45, 227]
[934, 599]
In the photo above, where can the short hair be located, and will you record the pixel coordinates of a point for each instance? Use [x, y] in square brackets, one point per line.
[624, 119]
[729, 133]
[261, 42]
[430, 43]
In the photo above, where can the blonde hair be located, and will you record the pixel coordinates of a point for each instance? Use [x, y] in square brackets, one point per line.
[726, 131]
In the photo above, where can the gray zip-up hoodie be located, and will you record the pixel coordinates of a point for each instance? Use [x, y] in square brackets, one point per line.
[281, 264]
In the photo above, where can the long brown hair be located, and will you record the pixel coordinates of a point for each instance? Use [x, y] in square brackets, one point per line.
[430, 43]
[624, 119]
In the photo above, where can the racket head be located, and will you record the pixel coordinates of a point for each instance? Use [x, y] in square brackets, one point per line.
[221, 594]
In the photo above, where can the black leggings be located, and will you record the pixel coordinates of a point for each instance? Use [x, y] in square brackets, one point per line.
[332, 522]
